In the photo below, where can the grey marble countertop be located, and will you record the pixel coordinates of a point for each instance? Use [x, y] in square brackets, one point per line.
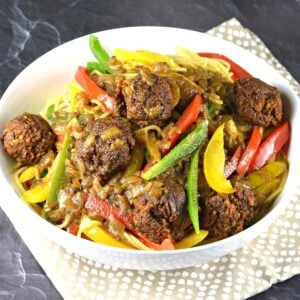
[29, 28]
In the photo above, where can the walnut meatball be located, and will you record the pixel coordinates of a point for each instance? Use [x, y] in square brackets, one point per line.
[28, 137]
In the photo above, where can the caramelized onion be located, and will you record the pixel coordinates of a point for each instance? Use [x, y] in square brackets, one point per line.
[116, 144]
[47, 160]
[89, 141]
[116, 227]
[110, 132]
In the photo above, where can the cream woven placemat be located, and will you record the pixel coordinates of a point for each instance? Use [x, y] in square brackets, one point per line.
[274, 256]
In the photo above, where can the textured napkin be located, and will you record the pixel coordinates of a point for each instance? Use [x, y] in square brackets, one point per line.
[273, 256]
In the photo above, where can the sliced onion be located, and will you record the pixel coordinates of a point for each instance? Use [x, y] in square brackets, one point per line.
[110, 132]
[135, 242]
[116, 227]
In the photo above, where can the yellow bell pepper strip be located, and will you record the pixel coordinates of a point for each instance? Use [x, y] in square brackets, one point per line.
[250, 151]
[271, 146]
[96, 233]
[29, 173]
[266, 189]
[57, 174]
[100, 54]
[214, 161]
[136, 161]
[158, 58]
[192, 191]
[145, 57]
[266, 174]
[126, 56]
[275, 193]
[101, 236]
[187, 146]
[192, 240]
[38, 193]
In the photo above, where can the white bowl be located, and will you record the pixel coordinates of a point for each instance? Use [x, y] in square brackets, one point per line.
[46, 77]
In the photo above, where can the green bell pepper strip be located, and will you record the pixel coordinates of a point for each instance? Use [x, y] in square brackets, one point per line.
[99, 52]
[213, 109]
[192, 190]
[92, 65]
[57, 174]
[187, 146]
[50, 111]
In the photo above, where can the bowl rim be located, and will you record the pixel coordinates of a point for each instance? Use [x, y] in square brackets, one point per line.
[273, 213]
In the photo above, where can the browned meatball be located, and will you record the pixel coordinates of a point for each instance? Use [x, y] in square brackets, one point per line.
[106, 146]
[27, 138]
[227, 214]
[255, 102]
[161, 212]
[149, 99]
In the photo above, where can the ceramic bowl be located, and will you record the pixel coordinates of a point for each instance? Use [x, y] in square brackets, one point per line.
[46, 77]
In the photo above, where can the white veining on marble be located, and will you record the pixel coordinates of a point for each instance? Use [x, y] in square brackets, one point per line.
[72, 4]
[15, 281]
[22, 28]
[14, 274]
[51, 26]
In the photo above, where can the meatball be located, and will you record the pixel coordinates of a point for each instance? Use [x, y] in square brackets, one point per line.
[227, 214]
[27, 138]
[161, 212]
[105, 147]
[255, 102]
[149, 99]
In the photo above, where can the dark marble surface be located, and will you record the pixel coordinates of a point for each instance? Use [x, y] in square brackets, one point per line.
[29, 28]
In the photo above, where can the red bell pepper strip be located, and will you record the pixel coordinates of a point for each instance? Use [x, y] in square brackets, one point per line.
[250, 151]
[29, 183]
[104, 210]
[238, 71]
[93, 90]
[231, 165]
[167, 244]
[271, 146]
[185, 121]
[73, 228]
[149, 164]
